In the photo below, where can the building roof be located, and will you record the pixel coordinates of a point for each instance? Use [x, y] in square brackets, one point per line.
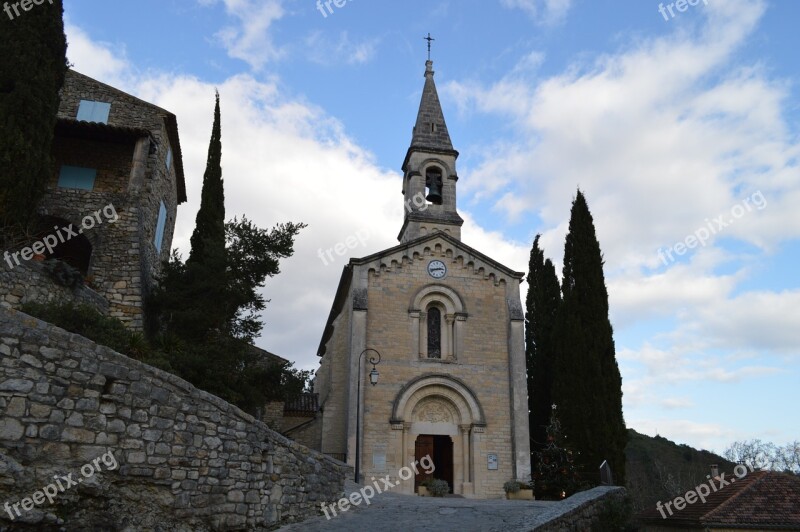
[265, 357]
[68, 127]
[765, 500]
[430, 132]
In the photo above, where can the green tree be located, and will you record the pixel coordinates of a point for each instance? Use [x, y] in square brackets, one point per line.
[32, 68]
[542, 303]
[204, 312]
[587, 383]
[208, 238]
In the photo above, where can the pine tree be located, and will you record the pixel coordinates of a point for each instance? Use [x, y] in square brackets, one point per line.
[32, 68]
[587, 383]
[555, 475]
[542, 304]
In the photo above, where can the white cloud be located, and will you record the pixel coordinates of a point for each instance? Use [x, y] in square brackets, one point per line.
[541, 11]
[251, 39]
[99, 60]
[326, 51]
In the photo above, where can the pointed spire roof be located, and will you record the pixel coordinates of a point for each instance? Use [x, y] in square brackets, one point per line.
[430, 132]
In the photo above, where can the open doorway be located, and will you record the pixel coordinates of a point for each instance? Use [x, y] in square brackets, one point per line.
[440, 449]
[74, 250]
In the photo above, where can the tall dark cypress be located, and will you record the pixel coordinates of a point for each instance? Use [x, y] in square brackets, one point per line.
[542, 303]
[587, 385]
[195, 299]
[208, 238]
[32, 68]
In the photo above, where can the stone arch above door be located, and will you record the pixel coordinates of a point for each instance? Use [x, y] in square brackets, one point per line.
[448, 395]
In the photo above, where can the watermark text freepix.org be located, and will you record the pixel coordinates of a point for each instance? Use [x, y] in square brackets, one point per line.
[62, 235]
[712, 227]
[680, 5]
[327, 5]
[405, 473]
[703, 490]
[60, 485]
[26, 5]
[361, 236]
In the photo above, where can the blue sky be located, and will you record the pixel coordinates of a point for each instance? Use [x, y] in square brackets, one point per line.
[673, 129]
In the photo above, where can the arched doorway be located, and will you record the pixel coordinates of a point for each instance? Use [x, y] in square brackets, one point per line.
[440, 417]
[74, 249]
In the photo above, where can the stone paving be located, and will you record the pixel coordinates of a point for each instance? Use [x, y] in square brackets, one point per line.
[395, 512]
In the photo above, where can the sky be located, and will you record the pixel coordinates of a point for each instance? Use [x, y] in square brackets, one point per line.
[680, 127]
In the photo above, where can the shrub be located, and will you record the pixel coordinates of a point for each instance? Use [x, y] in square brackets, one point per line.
[512, 486]
[438, 487]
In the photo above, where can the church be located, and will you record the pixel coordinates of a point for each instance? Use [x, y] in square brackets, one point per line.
[423, 353]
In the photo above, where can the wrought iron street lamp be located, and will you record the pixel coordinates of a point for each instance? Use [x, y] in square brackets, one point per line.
[373, 379]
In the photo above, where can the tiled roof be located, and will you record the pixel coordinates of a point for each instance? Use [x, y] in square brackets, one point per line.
[764, 499]
[94, 130]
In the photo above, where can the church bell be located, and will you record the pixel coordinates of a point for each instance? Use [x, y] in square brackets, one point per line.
[435, 192]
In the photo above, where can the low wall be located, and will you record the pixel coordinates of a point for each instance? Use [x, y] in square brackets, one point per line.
[578, 513]
[31, 283]
[186, 459]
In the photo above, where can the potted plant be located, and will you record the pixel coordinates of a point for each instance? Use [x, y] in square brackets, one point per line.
[518, 490]
[438, 487]
[422, 489]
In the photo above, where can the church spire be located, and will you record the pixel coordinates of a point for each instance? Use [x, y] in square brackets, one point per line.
[429, 170]
[430, 130]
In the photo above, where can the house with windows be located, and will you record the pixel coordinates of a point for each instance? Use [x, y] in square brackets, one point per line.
[113, 198]
[423, 353]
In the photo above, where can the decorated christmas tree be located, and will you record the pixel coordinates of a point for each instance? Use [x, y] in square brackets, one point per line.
[555, 475]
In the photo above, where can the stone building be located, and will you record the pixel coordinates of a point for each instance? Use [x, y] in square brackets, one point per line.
[447, 321]
[112, 201]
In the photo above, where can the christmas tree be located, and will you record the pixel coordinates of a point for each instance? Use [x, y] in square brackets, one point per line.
[555, 475]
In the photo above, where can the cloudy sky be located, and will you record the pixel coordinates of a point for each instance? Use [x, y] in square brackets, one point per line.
[681, 127]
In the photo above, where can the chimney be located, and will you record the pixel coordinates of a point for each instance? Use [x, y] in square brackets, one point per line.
[714, 471]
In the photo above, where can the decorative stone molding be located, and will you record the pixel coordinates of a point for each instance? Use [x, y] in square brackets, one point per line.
[459, 395]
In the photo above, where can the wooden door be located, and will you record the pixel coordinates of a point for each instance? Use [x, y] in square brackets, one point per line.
[423, 447]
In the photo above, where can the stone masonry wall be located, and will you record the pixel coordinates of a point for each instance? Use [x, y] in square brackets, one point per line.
[580, 512]
[186, 459]
[30, 283]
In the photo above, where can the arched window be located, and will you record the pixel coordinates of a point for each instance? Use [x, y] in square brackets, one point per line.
[434, 333]
[438, 324]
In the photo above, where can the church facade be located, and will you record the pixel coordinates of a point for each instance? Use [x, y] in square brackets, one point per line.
[442, 325]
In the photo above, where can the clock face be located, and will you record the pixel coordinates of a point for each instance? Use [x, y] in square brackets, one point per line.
[437, 269]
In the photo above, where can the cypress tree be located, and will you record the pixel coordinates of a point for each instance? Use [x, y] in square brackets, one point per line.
[192, 298]
[208, 238]
[587, 384]
[542, 303]
[32, 68]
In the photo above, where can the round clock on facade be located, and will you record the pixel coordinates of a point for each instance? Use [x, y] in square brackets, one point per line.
[437, 269]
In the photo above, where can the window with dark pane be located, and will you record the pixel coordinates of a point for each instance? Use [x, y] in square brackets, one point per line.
[434, 333]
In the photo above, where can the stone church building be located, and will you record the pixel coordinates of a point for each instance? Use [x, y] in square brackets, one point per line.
[447, 321]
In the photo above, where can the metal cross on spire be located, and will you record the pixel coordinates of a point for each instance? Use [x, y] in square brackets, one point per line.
[429, 39]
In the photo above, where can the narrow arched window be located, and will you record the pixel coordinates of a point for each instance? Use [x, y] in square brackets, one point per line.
[434, 333]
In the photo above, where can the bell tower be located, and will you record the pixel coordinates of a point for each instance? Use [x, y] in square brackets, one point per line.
[429, 172]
